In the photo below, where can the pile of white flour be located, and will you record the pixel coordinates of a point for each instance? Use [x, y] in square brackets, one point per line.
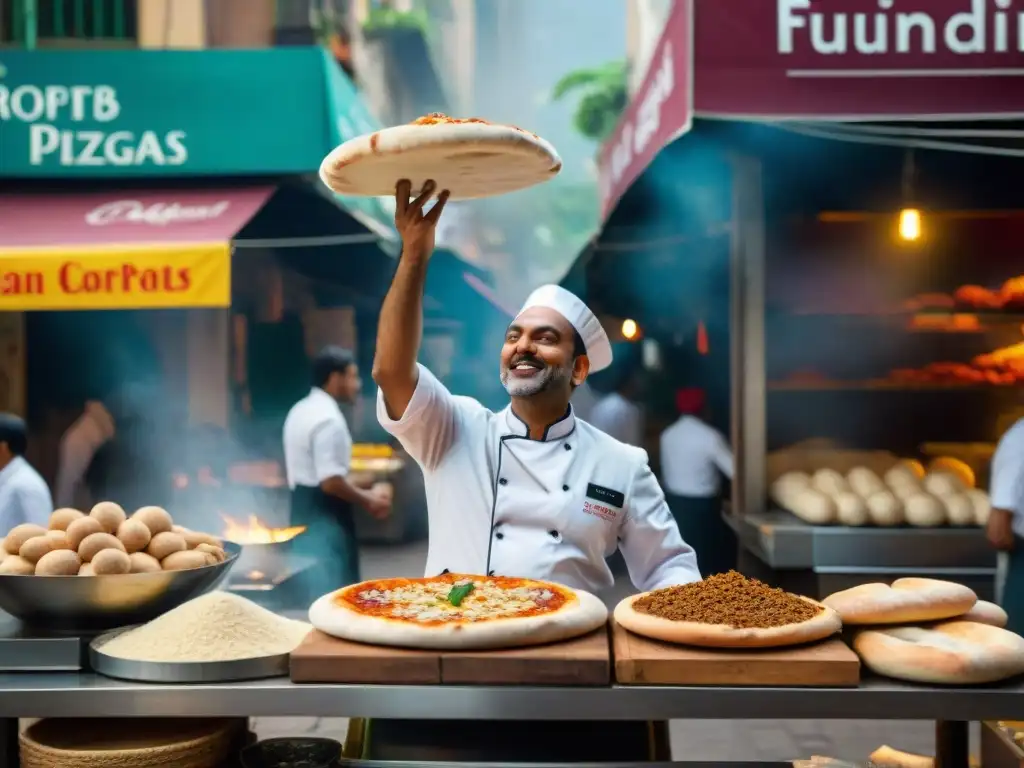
[217, 626]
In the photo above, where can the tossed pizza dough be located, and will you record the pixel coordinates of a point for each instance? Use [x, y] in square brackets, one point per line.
[950, 653]
[578, 616]
[907, 601]
[924, 511]
[985, 612]
[823, 625]
[864, 482]
[885, 509]
[470, 158]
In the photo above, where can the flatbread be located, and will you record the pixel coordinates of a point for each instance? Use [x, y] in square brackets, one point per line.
[950, 653]
[907, 601]
[985, 612]
[471, 158]
[497, 612]
[823, 625]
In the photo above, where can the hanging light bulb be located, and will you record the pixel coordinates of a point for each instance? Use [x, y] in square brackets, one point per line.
[910, 224]
[629, 329]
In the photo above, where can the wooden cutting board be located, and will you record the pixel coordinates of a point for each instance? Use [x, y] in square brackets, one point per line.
[641, 661]
[582, 661]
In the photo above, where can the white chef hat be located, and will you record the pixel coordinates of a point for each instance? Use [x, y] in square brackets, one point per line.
[599, 348]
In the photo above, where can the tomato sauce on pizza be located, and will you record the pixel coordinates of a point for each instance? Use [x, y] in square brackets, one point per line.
[453, 599]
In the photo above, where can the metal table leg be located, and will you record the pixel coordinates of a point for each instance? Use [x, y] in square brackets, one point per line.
[952, 744]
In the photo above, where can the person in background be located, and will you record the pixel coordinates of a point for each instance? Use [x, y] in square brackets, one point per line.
[618, 415]
[24, 495]
[318, 456]
[694, 457]
[77, 447]
[1005, 527]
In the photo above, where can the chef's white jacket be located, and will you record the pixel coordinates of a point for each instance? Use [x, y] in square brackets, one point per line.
[24, 495]
[317, 442]
[549, 509]
[694, 457]
[616, 416]
[1007, 476]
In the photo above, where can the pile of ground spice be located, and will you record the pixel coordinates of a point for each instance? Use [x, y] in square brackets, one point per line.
[728, 598]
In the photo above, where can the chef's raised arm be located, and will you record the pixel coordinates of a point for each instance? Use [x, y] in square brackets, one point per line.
[655, 553]
[411, 404]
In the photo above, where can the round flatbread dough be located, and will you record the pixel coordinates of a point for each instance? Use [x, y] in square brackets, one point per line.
[924, 511]
[850, 509]
[942, 484]
[864, 482]
[985, 612]
[830, 482]
[885, 509]
[470, 158]
[457, 612]
[825, 624]
[906, 601]
[950, 653]
[959, 510]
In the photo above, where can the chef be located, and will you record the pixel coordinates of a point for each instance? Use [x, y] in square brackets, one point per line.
[24, 495]
[318, 456]
[531, 490]
[694, 458]
[1005, 527]
[617, 414]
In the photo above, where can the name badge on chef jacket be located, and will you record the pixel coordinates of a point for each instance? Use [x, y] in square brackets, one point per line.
[603, 502]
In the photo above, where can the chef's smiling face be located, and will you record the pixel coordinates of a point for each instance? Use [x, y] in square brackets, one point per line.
[540, 355]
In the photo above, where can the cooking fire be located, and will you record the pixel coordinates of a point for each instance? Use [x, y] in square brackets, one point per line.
[254, 531]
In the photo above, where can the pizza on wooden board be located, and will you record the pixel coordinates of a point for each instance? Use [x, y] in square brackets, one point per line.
[470, 157]
[457, 612]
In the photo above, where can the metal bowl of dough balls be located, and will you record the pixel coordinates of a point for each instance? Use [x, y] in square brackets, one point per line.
[90, 572]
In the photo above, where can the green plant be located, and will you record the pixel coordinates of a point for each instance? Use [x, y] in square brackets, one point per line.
[383, 19]
[602, 100]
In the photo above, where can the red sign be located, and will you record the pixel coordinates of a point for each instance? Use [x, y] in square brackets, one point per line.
[661, 110]
[859, 59]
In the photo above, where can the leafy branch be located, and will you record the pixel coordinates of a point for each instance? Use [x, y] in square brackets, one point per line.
[602, 98]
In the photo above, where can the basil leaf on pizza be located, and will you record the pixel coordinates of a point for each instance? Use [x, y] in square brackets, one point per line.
[457, 611]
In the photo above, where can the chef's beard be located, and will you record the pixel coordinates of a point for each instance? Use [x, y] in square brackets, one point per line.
[544, 380]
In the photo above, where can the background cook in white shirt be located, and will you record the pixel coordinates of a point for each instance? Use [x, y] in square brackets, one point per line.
[529, 491]
[1005, 528]
[77, 447]
[318, 456]
[617, 414]
[694, 458]
[24, 495]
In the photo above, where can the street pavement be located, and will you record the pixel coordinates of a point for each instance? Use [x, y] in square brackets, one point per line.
[696, 740]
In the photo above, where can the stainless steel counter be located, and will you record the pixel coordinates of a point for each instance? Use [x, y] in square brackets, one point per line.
[87, 695]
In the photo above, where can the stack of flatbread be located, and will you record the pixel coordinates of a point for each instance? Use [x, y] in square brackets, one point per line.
[929, 631]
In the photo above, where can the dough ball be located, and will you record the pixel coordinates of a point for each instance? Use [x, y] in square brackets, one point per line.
[20, 534]
[59, 562]
[109, 514]
[885, 509]
[850, 509]
[157, 519]
[959, 510]
[95, 543]
[864, 482]
[143, 563]
[194, 538]
[904, 492]
[942, 484]
[35, 548]
[218, 554]
[85, 569]
[184, 560]
[81, 528]
[63, 517]
[15, 565]
[59, 539]
[788, 486]
[829, 482]
[981, 505]
[814, 507]
[924, 511]
[164, 544]
[110, 562]
[134, 535]
[901, 476]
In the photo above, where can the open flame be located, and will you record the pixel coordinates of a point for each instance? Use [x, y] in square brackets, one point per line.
[255, 532]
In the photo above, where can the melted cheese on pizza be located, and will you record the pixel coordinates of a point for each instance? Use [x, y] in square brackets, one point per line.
[428, 601]
[437, 118]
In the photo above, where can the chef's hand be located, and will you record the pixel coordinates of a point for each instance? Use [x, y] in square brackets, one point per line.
[999, 530]
[378, 500]
[416, 227]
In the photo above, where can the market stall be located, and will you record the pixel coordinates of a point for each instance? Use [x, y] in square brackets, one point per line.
[796, 233]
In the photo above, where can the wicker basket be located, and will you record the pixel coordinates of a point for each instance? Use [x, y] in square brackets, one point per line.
[130, 743]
